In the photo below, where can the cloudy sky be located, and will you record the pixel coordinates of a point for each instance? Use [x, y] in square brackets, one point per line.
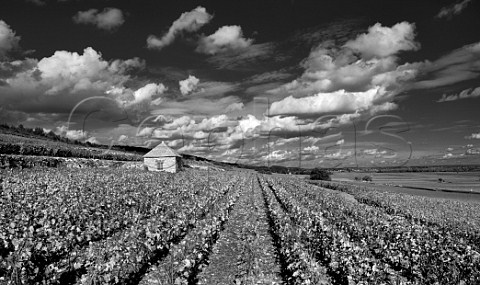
[298, 83]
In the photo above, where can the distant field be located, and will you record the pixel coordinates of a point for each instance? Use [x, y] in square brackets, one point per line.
[422, 184]
[463, 181]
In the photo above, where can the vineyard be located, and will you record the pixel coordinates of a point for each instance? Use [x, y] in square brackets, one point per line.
[18, 145]
[115, 226]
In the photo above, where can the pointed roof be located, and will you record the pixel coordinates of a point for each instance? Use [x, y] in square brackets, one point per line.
[161, 150]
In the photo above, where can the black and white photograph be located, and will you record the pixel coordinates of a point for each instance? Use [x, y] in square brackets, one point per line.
[222, 142]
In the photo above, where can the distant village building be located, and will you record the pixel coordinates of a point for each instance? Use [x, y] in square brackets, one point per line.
[163, 158]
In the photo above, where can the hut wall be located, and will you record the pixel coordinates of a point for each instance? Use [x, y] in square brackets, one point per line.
[168, 164]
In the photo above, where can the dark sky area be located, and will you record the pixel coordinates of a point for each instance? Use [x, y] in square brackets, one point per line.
[336, 83]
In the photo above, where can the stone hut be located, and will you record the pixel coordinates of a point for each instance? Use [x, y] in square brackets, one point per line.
[163, 158]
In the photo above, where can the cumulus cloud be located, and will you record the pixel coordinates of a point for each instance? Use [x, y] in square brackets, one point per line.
[122, 138]
[385, 41]
[188, 85]
[474, 136]
[343, 79]
[234, 107]
[54, 85]
[224, 133]
[8, 39]
[329, 68]
[367, 62]
[108, 19]
[322, 103]
[146, 92]
[226, 38]
[467, 93]
[71, 134]
[472, 151]
[449, 12]
[71, 70]
[186, 127]
[288, 126]
[188, 21]
[312, 148]
[74, 73]
[377, 153]
[196, 105]
[92, 140]
[447, 155]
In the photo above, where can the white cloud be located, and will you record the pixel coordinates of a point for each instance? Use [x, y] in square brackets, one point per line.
[71, 134]
[108, 19]
[449, 12]
[123, 66]
[473, 136]
[459, 65]
[92, 140]
[214, 88]
[179, 122]
[70, 72]
[312, 148]
[321, 103]
[188, 21]
[145, 132]
[330, 68]
[55, 84]
[188, 85]
[467, 93]
[288, 126]
[200, 135]
[449, 155]
[219, 129]
[360, 77]
[226, 38]
[8, 39]
[276, 156]
[175, 143]
[472, 151]
[196, 105]
[146, 92]
[122, 138]
[234, 107]
[338, 155]
[384, 41]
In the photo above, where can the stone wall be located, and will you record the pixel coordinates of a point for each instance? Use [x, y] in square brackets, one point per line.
[25, 161]
[169, 163]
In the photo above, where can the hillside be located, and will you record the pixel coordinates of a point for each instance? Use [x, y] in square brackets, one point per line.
[24, 145]
[35, 142]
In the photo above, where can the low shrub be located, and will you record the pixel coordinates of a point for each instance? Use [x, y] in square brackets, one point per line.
[320, 174]
[367, 178]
